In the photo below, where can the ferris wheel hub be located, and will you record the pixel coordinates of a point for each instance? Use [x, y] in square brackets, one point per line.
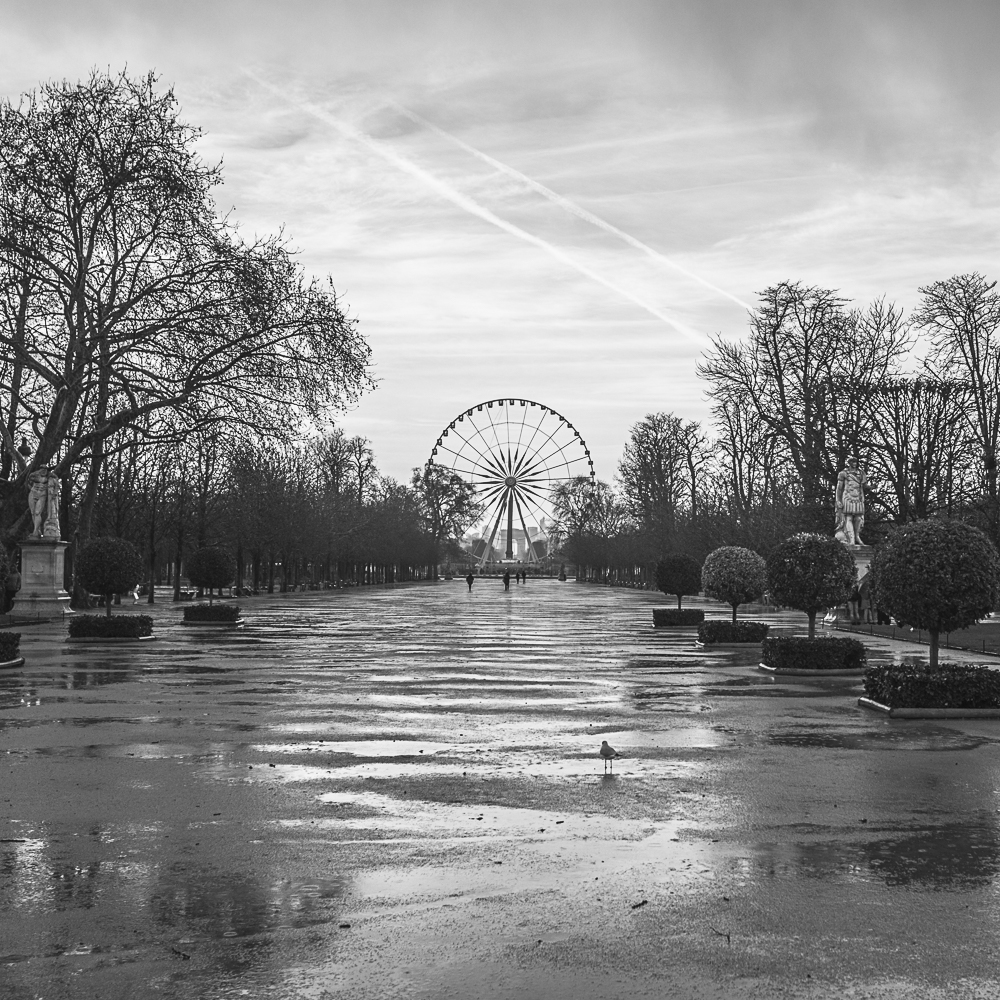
[510, 481]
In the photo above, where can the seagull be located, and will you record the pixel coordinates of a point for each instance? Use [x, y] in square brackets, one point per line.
[609, 754]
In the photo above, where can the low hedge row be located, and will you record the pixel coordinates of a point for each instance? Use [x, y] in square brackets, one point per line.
[212, 613]
[799, 653]
[9, 643]
[115, 627]
[915, 685]
[677, 616]
[720, 630]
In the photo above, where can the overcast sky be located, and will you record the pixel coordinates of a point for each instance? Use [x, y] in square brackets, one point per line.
[564, 201]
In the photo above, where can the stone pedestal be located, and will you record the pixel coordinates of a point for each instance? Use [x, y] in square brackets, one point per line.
[41, 593]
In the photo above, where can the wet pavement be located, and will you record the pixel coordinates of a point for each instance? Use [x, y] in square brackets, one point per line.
[397, 793]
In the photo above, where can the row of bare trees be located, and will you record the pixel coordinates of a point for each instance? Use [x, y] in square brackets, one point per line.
[310, 514]
[815, 380]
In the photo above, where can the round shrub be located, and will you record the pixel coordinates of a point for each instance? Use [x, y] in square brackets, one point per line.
[209, 568]
[734, 575]
[811, 572]
[108, 566]
[936, 575]
[678, 574]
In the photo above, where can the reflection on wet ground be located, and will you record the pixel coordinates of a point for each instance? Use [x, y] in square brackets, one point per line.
[396, 793]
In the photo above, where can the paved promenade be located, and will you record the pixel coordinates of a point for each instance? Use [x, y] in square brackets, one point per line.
[396, 793]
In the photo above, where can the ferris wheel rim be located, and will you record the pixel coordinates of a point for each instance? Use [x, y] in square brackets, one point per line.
[511, 400]
[512, 462]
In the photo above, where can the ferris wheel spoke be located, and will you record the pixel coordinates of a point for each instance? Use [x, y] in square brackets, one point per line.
[536, 429]
[534, 510]
[545, 459]
[486, 443]
[550, 436]
[496, 436]
[482, 469]
[493, 533]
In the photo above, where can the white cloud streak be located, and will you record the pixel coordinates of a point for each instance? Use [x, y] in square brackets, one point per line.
[472, 207]
[565, 203]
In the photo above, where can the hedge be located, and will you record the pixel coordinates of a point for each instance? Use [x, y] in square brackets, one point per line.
[677, 616]
[9, 642]
[799, 653]
[116, 627]
[674, 616]
[916, 685]
[717, 630]
[212, 613]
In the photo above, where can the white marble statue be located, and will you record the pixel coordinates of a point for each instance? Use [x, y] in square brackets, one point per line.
[43, 502]
[850, 504]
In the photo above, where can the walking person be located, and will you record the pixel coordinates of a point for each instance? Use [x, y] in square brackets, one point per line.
[470, 580]
[506, 579]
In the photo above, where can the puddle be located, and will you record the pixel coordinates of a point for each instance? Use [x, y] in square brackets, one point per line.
[885, 739]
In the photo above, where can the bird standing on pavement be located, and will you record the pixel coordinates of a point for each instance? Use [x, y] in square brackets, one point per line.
[609, 754]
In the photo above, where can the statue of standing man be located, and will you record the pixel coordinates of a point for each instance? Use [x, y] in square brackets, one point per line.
[43, 502]
[850, 504]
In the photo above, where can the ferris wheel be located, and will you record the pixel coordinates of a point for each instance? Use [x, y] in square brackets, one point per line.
[513, 452]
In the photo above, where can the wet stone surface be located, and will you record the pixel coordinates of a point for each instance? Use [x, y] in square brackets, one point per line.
[397, 793]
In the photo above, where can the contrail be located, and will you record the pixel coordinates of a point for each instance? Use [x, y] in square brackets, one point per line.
[565, 203]
[473, 207]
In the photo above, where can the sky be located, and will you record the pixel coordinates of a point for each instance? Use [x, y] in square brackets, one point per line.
[566, 202]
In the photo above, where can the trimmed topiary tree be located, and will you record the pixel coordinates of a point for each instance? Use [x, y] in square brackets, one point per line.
[209, 568]
[936, 575]
[108, 566]
[678, 574]
[734, 575]
[811, 572]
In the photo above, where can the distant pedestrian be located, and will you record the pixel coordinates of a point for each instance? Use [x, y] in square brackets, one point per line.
[506, 579]
[470, 580]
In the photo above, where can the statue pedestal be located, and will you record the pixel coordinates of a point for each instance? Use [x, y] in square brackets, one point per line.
[41, 593]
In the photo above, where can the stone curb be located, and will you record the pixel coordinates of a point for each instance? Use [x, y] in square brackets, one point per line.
[930, 713]
[803, 672]
[726, 645]
[110, 638]
[235, 623]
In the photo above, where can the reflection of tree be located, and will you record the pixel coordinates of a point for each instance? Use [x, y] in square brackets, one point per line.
[230, 905]
[951, 855]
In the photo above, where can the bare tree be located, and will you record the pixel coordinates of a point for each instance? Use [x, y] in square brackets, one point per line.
[125, 293]
[962, 317]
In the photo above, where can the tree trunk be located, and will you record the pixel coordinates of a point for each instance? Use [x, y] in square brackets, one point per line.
[735, 606]
[108, 598]
[678, 602]
[812, 624]
[935, 636]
